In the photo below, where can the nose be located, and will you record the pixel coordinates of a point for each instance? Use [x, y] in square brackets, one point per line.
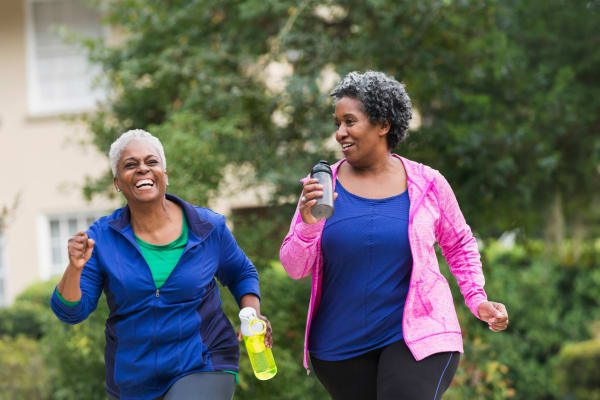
[340, 133]
[143, 168]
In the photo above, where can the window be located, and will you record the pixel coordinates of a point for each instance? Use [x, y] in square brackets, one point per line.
[59, 75]
[56, 231]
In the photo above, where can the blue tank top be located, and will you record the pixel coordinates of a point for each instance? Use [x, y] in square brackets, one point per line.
[366, 275]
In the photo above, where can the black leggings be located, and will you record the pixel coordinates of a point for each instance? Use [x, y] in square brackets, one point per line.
[199, 386]
[390, 372]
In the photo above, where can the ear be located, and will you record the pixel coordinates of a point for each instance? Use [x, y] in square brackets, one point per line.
[384, 127]
[115, 182]
[167, 178]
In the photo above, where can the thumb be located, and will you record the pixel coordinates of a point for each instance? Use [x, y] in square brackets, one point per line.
[90, 248]
[497, 310]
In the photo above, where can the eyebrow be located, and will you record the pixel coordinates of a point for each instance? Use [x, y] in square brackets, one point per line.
[345, 115]
[145, 158]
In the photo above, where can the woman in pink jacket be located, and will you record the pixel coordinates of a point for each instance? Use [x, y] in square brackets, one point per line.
[381, 320]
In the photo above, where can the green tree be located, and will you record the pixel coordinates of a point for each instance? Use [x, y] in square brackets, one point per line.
[506, 92]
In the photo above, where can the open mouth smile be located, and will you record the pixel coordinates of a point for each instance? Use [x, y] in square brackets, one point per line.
[144, 184]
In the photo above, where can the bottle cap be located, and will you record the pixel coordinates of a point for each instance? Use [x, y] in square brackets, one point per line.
[321, 166]
[250, 324]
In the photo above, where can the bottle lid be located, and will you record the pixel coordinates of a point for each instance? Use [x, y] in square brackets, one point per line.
[250, 324]
[321, 166]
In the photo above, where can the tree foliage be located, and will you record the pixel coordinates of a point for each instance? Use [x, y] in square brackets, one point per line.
[505, 91]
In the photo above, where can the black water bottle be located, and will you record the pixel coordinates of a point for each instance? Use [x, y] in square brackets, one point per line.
[324, 207]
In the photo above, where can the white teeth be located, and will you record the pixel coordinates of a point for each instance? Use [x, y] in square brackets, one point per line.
[347, 145]
[144, 182]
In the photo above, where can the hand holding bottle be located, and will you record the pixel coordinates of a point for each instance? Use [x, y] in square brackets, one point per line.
[317, 198]
[253, 331]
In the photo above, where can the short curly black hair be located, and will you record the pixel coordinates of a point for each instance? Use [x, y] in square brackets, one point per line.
[383, 99]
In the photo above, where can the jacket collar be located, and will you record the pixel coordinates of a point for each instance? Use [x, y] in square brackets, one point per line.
[200, 226]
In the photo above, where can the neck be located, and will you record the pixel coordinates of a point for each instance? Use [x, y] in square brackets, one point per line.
[382, 163]
[149, 217]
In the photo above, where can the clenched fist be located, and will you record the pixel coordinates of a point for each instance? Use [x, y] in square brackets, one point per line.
[80, 250]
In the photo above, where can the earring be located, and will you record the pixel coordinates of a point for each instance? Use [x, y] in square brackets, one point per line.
[118, 189]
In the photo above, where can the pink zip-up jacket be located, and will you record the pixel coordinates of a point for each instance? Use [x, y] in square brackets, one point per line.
[430, 324]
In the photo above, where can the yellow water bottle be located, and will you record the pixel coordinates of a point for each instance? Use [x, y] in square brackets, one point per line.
[253, 332]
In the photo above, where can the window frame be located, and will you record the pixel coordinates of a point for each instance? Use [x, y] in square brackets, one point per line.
[36, 105]
[48, 268]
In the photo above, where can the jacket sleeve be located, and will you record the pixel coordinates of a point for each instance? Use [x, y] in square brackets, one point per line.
[459, 247]
[91, 284]
[235, 271]
[298, 253]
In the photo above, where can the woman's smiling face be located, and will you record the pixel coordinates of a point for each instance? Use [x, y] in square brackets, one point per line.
[360, 139]
[140, 172]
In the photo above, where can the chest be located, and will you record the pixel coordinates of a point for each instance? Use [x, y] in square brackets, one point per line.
[378, 188]
[128, 276]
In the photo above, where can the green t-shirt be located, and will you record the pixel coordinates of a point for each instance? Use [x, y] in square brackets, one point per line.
[162, 259]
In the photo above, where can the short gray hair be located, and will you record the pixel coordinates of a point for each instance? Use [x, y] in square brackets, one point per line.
[383, 99]
[116, 148]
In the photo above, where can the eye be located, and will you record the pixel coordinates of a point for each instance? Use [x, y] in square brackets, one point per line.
[130, 165]
[350, 121]
[153, 162]
[337, 124]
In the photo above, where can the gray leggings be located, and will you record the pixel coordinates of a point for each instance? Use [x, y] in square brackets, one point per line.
[199, 386]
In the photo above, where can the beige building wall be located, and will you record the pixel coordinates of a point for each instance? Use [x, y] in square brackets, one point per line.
[42, 162]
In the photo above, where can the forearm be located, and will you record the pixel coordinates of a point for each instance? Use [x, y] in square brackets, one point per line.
[250, 300]
[69, 286]
[299, 250]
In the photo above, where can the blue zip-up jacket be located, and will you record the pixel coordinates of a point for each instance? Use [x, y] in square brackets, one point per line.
[156, 336]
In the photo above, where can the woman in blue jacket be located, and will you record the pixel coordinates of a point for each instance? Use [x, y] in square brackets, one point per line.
[156, 258]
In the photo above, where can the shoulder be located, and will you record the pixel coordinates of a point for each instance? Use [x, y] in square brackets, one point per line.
[209, 215]
[198, 215]
[419, 172]
[102, 224]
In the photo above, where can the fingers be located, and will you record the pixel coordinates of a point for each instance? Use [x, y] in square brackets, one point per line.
[80, 249]
[499, 320]
[268, 333]
[310, 192]
[239, 334]
[79, 242]
[90, 247]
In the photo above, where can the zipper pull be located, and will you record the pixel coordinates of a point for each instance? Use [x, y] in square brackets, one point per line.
[157, 293]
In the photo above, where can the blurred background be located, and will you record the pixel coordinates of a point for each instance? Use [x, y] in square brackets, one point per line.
[507, 107]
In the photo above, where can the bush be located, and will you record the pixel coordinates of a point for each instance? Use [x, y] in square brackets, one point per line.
[29, 313]
[23, 374]
[23, 318]
[75, 356]
[38, 293]
[577, 370]
[549, 301]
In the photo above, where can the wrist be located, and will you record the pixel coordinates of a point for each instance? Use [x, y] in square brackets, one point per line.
[250, 300]
[73, 268]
